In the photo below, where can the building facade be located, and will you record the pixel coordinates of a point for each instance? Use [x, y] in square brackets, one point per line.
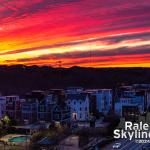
[29, 112]
[13, 107]
[103, 99]
[130, 103]
[2, 106]
[79, 105]
[61, 114]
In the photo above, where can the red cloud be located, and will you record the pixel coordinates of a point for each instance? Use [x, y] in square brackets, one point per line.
[26, 25]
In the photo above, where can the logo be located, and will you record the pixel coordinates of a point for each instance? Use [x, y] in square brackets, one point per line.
[140, 132]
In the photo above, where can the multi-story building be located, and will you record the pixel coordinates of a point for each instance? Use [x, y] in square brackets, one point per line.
[86, 103]
[29, 112]
[45, 107]
[39, 105]
[13, 107]
[2, 106]
[58, 96]
[30, 106]
[130, 103]
[61, 114]
[103, 99]
[147, 95]
[145, 89]
[79, 104]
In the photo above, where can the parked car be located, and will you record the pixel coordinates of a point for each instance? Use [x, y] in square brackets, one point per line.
[116, 146]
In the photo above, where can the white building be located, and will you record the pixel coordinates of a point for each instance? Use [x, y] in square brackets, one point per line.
[79, 104]
[103, 99]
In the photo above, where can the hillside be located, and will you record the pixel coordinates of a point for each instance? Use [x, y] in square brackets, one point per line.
[21, 79]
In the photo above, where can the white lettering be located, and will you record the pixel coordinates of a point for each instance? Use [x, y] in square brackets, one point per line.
[128, 125]
[116, 134]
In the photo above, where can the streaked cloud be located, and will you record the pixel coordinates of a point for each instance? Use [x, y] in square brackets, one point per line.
[75, 32]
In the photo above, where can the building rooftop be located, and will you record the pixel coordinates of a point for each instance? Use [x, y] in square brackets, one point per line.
[80, 96]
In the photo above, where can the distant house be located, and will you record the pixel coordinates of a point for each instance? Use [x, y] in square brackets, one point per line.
[13, 107]
[79, 105]
[61, 114]
[2, 106]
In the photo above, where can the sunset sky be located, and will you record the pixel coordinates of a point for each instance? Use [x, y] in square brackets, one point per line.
[89, 33]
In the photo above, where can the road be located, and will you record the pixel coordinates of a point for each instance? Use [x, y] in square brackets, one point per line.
[126, 145]
[69, 143]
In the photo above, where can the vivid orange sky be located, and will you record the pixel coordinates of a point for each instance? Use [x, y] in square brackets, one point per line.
[89, 33]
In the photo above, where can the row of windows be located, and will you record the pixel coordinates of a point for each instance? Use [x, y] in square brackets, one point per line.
[75, 102]
[61, 116]
[26, 116]
[126, 101]
[10, 99]
[80, 116]
[42, 108]
[42, 116]
[81, 109]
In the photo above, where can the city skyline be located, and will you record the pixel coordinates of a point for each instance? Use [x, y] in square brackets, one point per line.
[87, 33]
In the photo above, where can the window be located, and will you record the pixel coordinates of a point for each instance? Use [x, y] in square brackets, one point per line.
[42, 108]
[80, 109]
[80, 115]
[80, 102]
[57, 116]
[56, 108]
[26, 108]
[74, 102]
[41, 116]
[85, 108]
[26, 115]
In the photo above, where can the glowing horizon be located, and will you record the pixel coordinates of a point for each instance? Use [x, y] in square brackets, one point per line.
[86, 33]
